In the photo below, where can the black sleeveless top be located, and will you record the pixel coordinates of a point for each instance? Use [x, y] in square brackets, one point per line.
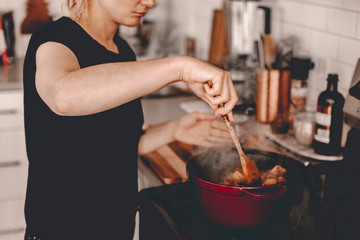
[82, 181]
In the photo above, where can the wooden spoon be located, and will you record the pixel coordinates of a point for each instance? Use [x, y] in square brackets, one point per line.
[250, 171]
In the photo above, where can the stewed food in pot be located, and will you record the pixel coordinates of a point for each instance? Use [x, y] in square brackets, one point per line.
[269, 177]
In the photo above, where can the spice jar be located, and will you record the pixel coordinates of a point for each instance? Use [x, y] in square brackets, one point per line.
[304, 127]
[300, 68]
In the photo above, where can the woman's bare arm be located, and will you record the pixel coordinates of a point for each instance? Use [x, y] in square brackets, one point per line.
[200, 129]
[69, 90]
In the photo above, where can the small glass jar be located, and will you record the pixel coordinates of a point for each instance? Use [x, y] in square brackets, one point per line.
[304, 127]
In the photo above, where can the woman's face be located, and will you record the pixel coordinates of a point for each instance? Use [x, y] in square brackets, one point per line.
[125, 12]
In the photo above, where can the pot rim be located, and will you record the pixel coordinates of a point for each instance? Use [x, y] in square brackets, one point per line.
[235, 190]
[270, 192]
[218, 185]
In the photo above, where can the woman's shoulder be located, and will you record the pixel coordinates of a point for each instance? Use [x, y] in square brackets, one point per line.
[59, 30]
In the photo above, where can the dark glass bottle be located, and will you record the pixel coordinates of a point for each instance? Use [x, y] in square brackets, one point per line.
[329, 119]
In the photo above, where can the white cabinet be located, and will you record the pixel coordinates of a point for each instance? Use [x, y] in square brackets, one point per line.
[11, 109]
[13, 165]
[12, 217]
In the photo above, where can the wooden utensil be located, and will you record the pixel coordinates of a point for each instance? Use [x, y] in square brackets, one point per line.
[268, 41]
[269, 50]
[250, 171]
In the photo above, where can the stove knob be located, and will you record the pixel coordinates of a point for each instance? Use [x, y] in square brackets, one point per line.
[355, 91]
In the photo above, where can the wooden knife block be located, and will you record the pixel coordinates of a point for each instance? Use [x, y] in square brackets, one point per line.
[272, 94]
[37, 15]
[218, 46]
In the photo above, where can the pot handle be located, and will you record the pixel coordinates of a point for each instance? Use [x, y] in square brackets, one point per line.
[266, 196]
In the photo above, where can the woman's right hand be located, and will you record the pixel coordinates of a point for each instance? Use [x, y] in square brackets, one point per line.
[202, 129]
[211, 84]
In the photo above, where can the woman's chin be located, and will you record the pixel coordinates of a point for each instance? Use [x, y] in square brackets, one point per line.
[133, 22]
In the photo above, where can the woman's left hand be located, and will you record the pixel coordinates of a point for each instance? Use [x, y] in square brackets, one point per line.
[202, 129]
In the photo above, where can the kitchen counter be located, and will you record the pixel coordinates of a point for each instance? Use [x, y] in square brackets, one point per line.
[158, 110]
[11, 76]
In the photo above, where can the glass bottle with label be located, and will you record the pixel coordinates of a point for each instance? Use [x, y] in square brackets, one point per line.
[329, 119]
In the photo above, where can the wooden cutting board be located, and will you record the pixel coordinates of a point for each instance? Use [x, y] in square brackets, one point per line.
[169, 162]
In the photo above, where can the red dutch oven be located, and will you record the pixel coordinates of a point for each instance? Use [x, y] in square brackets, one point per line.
[242, 207]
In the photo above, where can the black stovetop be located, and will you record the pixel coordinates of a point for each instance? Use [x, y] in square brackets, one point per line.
[168, 213]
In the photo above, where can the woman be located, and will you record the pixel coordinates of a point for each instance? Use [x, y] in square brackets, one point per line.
[83, 119]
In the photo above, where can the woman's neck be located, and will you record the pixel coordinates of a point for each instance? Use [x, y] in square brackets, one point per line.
[100, 29]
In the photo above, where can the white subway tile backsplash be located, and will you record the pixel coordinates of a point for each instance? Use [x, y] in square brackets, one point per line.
[349, 50]
[5, 5]
[324, 45]
[201, 10]
[329, 3]
[314, 16]
[316, 84]
[277, 12]
[321, 68]
[342, 22]
[277, 30]
[353, 5]
[345, 72]
[303, 35]
[57, 8]
[180, 7]
[292, 11]
[202, 45]
[214, 3]
[157, 16]
[358, 26]
[11, 5]
[180, 22]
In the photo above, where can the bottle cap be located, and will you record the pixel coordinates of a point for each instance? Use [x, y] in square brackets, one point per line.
[332, 77]
[300, 68]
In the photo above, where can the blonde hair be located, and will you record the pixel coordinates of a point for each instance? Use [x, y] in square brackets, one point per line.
[77, 8]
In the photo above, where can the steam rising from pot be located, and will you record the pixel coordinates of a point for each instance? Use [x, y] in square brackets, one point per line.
[216, 164]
